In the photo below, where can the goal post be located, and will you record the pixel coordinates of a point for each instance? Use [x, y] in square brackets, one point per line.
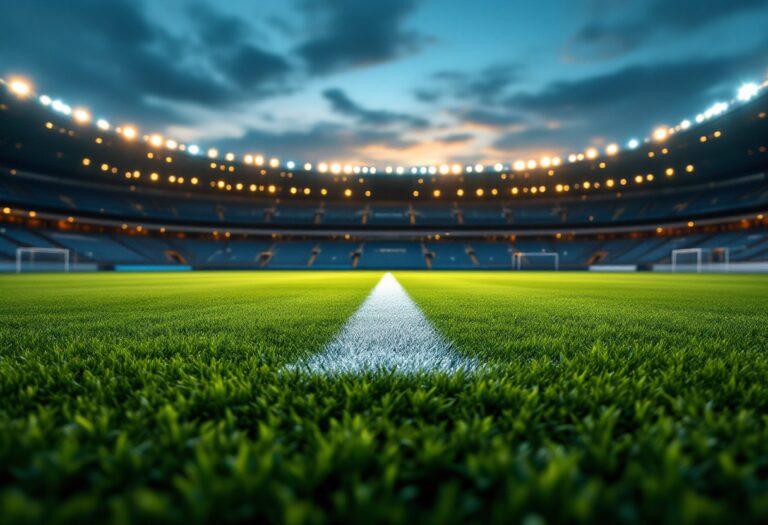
[42, 260]
[701, 259]
[536, 260]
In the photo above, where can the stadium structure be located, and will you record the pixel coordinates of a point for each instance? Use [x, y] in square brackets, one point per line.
[77, 193]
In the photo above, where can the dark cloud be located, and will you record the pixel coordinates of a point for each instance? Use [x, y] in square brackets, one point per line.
[113, 55]
[496, 118]
[484, 86]
[601, 39]
[322, 141]
[353, 33]
[630, 100]
[343, 105]
[455, 138]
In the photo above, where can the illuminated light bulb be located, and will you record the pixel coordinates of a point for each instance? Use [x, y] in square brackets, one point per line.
[748, 91]
[556, 161]
[591, 153]
[444, 169]
[130, 133]
[531, 164]
[308, 166]
[660, 133]
[259, 160]
[213, 153]
[322, 167]
[572, 158]
[102, 124]
[479, 168]
[290, 165]
[612, 149]
[229, 157]
[400, 170]
[498, 167]
[633, 144]
[45, 100]
[336, 168]
[156, 140]
[19, 87]
[81, 116]
[685, 124]
[545, 162]
[248, 159]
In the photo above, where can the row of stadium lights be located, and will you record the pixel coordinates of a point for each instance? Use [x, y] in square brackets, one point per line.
[23, 89]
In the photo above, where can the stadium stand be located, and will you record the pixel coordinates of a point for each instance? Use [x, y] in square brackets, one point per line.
[113, 202]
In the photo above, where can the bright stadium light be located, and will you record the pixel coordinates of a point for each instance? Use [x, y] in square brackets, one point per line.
[748, 91]
[685, 124]
[171, 144]
[193, 149]
[479, 168]
[591, 153]
[229, 157]
[19, 87]
[156, 140]
[274, 162]
[45, 100]
[308, 166]
[130, 133]
[81, 116]
[660, 134]
[633, 144]
[612, 149]
[102, 124]
[290, 164]
[498, 167]
[61, 107]
[213, 153]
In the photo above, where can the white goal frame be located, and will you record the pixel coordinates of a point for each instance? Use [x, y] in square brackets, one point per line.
[517, 258]
[32, 251]
[725, 264]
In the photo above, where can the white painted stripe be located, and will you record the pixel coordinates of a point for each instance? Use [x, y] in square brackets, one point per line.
[388, 333]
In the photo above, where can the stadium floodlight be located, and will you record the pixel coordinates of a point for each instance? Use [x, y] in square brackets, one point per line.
[498, 167]
[20, 88]
[81, 116]
[525, 260]
[701, 259]
[612, 149]
[660, 134]
[34, 259]
[61, 107]
[45, 100]
[193, 149]
[748, 91]
[102, 124]
[130, 133]
[633, 144]
[290, 164]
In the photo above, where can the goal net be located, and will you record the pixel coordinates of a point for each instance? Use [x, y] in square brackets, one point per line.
[42, 260]
[536, 261]
[701, 260]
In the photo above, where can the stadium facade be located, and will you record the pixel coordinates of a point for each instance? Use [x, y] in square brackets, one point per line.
[118, 200]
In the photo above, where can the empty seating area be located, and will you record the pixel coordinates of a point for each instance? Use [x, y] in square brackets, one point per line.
[108, 250]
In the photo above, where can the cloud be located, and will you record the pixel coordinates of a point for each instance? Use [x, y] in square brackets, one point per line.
[321, 141]
[601, 39]
[455, 138]
[484, 86]
[114, 56]
[496, 118]
[343, 105]
[629, 100]
[347, 34]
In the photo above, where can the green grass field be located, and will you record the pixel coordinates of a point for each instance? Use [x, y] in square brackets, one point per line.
[168, 398]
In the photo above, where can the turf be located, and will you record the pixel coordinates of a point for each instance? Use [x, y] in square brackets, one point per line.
[167, 398]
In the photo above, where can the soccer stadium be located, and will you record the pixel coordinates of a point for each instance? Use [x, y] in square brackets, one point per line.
[197, 331]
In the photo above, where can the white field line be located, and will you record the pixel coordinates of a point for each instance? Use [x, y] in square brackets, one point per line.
[387, 333]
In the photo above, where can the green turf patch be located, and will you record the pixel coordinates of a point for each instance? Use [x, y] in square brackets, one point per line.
[166, 398]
